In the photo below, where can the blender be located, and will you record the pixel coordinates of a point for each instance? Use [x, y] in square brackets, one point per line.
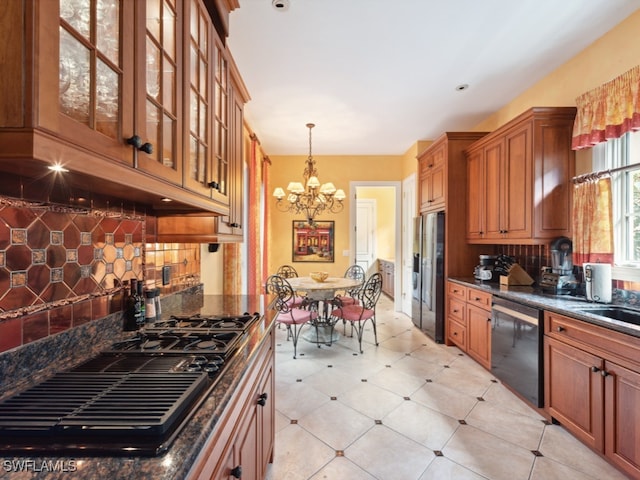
[560, 280]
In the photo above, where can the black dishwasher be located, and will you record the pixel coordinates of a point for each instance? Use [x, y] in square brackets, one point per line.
[516, 348]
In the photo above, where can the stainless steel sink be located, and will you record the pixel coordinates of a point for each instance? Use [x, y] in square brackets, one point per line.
[614, 312]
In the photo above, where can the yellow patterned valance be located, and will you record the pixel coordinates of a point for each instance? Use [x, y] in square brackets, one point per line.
[609, 111]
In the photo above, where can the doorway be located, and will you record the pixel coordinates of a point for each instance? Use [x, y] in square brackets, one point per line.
[375, 227]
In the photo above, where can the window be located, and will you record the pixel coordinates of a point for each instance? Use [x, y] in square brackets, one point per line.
[613, 154]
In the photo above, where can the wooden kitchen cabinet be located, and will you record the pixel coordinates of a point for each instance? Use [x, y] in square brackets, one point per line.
[468, 323]
[456, 322]
[242, 444]
[443, 173]
[432, 178]
[94, 81]
[519, 179]
[479, 338]
[592, 387]
[387, 270]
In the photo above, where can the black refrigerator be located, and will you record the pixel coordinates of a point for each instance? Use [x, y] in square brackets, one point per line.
[427, 310]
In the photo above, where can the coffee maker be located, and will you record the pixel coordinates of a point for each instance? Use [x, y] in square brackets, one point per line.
[559, 279]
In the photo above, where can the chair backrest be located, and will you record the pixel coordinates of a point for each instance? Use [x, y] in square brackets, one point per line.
[278, 286]
[287, 271]
[355, 272]
[370, 291]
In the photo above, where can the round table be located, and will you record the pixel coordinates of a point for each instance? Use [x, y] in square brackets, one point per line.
[321, 292]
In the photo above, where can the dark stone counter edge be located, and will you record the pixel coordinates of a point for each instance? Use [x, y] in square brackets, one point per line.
[178, 460]
[562, 304]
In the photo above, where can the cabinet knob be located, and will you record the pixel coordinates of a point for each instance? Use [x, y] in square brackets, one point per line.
[455, 334]
[477, 299]
[604, 373]
[214, 185]
[234, 225]
[236, 472]
[262, 399]
[560, 328]
[455, 311]
[595, 369]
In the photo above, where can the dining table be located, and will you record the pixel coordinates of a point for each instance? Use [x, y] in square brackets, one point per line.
[322, 292]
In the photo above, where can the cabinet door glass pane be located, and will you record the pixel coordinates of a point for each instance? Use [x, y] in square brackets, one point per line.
[169, 31]
[169, 86]
[108, 29]
[168, 136]
[193, 106]
[106, 100]
[193, 157]
[153, 69]
[153, 18]
[74, 78]
[78, 14]
[153, 125]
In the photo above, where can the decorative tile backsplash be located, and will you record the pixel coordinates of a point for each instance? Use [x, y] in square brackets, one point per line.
[61, 267]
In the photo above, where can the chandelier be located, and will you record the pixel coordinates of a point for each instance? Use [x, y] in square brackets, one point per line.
[310, 198]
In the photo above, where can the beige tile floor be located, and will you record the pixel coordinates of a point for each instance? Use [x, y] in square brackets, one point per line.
[410, 409]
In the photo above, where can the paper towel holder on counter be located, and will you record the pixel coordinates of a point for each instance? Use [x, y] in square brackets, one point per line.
[597, 282]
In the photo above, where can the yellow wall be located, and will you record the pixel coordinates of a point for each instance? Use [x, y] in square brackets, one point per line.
[611, 55]
[337, 169]
[385, 198]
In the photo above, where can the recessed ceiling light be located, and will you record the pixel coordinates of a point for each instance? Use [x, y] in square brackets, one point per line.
[461, 87]
[57, 168]
[280, 5]
[165, 199]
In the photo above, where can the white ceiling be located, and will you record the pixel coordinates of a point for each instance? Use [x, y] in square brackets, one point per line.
[375, 76]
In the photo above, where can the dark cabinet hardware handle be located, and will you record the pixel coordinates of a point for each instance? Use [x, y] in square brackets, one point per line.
[455, 334]
[234, 225]
[136, 142]
[455, 311]
[146, 148]
[604, 373]
[236, 472]
[262, 400]
[215, 185]
[431, 165]
[489, 319]
[560, 329]
[477, 299]
[595, 369]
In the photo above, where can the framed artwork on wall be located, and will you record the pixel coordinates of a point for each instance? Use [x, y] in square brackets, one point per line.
[313, 243]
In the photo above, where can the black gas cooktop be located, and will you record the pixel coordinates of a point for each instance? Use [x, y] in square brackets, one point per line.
[132, 399]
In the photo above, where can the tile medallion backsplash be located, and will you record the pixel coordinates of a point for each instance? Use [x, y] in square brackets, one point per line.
[61, 267]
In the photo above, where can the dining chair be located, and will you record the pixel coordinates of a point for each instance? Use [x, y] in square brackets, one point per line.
[354, 272]
[365, 308]
[293, 317]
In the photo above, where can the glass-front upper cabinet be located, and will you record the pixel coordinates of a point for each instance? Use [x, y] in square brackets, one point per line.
[197, 77]
[220, 160]
[94, 75]
[158, 86]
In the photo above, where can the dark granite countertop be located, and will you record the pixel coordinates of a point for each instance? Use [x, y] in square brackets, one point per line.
[562, 304]
[178, 460]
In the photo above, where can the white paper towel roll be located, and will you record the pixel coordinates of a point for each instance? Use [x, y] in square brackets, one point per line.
[597, 278]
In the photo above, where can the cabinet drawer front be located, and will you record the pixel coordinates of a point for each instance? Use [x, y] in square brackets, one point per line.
[609, 342]
[457, 290]
[457, 334]
[457, 310]
[479, 298]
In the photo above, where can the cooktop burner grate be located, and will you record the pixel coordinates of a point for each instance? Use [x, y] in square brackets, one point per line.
[125, 403]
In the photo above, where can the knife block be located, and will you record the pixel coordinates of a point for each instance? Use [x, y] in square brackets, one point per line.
[516, 277]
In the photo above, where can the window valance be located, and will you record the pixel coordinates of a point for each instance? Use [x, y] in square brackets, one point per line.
[608, 111]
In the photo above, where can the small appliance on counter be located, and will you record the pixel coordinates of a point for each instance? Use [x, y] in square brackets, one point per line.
[486, 270]
[560, 280]
[597, 282]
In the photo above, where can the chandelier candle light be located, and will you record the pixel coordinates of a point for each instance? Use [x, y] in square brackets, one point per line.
[313, 199]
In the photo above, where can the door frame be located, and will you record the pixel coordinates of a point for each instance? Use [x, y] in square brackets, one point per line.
[353, 185]
[373, 210]
[409, 212]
